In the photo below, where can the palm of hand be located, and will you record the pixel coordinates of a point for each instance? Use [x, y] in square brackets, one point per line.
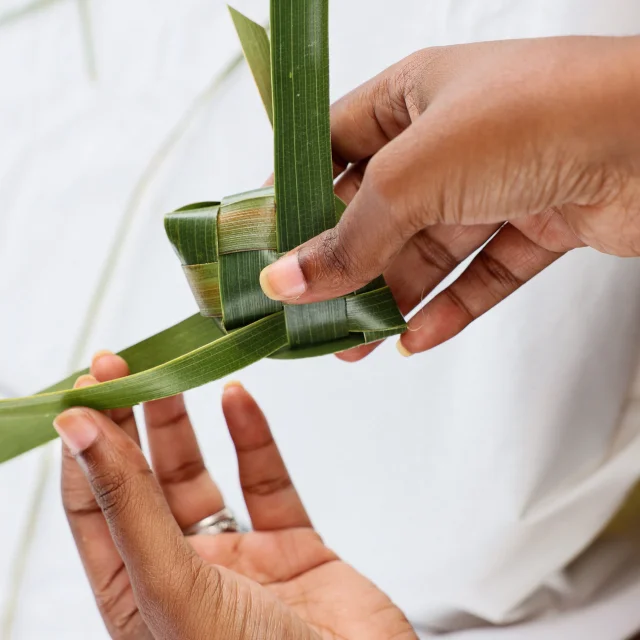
[326, 593]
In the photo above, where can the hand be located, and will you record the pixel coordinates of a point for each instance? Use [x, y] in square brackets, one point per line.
[535, 141]
[279, 582]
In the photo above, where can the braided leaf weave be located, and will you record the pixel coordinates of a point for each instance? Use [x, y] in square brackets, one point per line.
[223, 248]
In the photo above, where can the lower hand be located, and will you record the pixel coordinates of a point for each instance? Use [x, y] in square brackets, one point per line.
[277, 582]
[527, 148]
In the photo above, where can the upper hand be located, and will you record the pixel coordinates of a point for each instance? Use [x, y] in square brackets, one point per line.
[278, 582]
[439, 151]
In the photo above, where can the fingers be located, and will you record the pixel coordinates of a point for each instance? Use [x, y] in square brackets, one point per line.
[362, 122]
[367, 118]
[441, 169]
[108, 366]
[168, 579]
[429, 257]
[100, 558]
[345, 258]
[178, 464]
[370, 122]
[271, 499]
[177, 460]
[348, 185]
[346, 188]
[357, 353]
[401, 193]
[424, 262]
[373, 114]
[373, 124]
[504, 265]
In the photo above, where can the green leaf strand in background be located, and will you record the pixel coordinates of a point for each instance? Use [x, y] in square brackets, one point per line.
[257, 51]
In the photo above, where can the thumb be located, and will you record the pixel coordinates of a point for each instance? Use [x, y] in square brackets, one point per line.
[164, 571]
[349, 256]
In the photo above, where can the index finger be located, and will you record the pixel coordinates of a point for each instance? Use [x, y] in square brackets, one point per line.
[376, 112]
[367, 118]
[364, 121]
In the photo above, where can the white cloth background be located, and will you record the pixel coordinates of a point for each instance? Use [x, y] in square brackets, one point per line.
[469, 478]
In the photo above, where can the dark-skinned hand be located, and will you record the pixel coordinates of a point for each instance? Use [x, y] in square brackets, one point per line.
[277, 582]
[532, 145]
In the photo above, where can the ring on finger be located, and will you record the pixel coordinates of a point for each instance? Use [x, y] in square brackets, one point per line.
[221, 522]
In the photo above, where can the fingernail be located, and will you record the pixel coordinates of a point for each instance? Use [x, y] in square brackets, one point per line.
[402, 350]
[76, 429]
[100, 354]
[283, 280]
[85, 381]
[233, 383]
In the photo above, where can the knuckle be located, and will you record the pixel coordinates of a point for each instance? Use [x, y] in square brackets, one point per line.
[419, 76]
[390, 107]
[172, 421]
[334, 254]
[554, 233]
[263, 445]
[407, 84]
[115, 489]
[78, 503]
[390, 187]
[329, 260]
[467, 313]
[183, 473]
[381, 178]
[204, 590]
[267, 486]
[117, 604]
[433, 253]
[495, 274]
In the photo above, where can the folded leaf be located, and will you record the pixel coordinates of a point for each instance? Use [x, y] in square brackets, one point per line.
[325, 327]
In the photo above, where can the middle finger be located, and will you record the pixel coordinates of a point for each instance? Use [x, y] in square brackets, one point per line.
[178, 463]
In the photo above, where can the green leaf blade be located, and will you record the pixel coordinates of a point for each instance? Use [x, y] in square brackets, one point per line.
[243, 298]
[162, 368]
[257, 52]
[302, 136]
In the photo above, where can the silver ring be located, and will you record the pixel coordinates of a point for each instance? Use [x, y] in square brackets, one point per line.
[221, 522]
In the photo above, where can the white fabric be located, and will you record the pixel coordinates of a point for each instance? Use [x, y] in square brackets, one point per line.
[469, 478]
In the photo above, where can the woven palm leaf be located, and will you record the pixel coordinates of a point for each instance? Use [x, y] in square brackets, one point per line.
[224, 245]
